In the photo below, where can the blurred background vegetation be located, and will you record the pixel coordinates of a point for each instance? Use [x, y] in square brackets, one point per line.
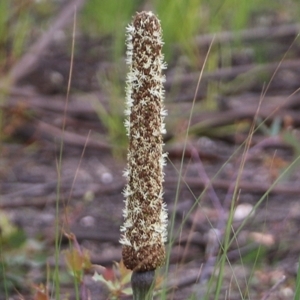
[22, 21]
[100, 44]
[100, 35]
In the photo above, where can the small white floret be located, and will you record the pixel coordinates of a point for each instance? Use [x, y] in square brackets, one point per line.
[130, 29]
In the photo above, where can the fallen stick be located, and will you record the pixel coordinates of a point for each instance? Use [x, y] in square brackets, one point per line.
[249, 35]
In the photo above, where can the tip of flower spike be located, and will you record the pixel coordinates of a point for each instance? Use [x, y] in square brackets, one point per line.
[148, 13]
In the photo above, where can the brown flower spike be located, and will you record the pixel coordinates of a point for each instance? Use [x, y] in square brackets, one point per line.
[144, 232]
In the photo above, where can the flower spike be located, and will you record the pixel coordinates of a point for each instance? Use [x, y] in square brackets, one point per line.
[144, 231]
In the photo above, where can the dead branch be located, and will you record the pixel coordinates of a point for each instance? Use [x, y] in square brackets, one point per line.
[249, 35]
[253, 187]
[231, 72]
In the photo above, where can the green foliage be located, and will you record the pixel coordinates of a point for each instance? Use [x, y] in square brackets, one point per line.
[3, 20]
[258, 256]
[116, 280]
[227, 15]
[180, 22]
[17, 253]
[104, 18]
[17, 20]
[111, 115]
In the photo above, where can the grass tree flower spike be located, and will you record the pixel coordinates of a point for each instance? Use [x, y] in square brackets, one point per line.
[145, 218]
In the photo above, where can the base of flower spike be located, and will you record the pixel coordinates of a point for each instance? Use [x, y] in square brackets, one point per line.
[146, 258]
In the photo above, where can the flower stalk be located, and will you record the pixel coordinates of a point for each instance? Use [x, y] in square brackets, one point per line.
[145, 218]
